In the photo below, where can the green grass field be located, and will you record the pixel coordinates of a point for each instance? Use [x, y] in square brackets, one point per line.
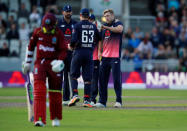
[143, 110]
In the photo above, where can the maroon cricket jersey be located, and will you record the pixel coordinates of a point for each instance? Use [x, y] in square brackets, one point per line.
[49, 46]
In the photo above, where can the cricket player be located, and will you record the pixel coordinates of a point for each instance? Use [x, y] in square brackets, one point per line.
[66, 24]
[51, 51]
[95, 78]
[85, 34]
[112, 33]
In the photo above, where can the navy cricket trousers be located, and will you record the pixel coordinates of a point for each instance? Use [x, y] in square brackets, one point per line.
[82, 58]
[105, 68]
[95, 81]
[66, 73]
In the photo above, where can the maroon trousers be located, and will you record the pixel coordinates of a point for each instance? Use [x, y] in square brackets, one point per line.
[43, 70]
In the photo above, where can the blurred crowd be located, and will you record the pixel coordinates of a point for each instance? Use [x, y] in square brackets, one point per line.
[17, 24]
[166, 40]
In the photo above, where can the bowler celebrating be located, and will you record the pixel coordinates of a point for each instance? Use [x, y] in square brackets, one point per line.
[112, 41]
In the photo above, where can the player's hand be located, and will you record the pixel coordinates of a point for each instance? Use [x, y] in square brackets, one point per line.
[103, 27]
[69, 47]
[99, 25]
[26, 67]
[57, 65]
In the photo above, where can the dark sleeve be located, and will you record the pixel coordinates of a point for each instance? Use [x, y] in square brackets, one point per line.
[74, 38]
[62, 47]
[102, 34]
[97, 35]
[119, 23]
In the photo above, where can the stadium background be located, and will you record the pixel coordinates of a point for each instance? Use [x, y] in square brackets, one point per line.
[150, 106]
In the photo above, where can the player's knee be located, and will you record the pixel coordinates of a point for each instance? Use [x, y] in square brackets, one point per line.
[75, 75]
[39, 87]
[55, 96]
[39, 84]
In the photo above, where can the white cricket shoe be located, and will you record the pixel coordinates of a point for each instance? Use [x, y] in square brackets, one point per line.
[65, 103]
[39, 124]
[74, 100]
[117, 105]
[100, 105]
[55, 122]
[92, 103]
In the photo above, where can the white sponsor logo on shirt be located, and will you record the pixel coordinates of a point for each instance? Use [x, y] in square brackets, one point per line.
[86, 45]
[40, 38]
[62, 26]
[46, 48]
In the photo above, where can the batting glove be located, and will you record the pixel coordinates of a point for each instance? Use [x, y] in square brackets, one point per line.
[57, 65]
[26, 67]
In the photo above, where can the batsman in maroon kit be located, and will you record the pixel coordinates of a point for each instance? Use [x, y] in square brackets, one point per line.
[51, 51]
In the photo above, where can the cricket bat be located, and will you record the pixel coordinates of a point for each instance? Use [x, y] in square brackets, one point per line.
[29, 91]
[70, 88]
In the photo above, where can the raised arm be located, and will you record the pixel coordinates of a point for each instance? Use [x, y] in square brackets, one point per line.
[117, 29]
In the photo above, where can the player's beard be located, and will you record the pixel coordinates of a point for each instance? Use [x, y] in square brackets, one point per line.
[68, 16]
